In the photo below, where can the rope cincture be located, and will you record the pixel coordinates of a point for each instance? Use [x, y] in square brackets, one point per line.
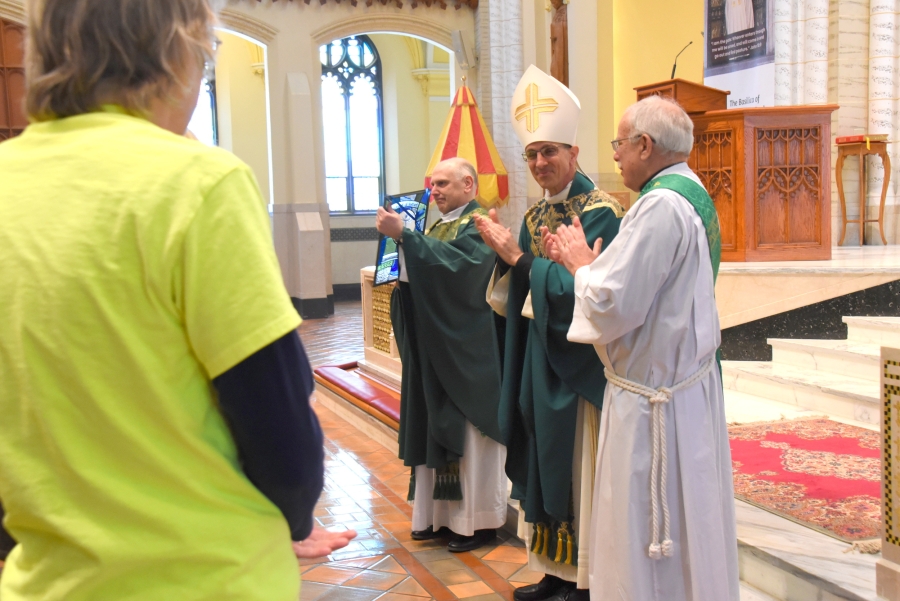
[659, 462]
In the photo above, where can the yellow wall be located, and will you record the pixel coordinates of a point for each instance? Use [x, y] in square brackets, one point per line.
[241, 103]
[646, 36]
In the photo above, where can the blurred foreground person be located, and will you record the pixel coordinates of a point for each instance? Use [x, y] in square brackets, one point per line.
[144, 314]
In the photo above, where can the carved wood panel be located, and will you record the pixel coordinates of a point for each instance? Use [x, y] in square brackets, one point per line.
[788, 192]
[712, 159]
[12, 79]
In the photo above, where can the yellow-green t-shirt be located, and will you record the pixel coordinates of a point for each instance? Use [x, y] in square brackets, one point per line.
[135, 266]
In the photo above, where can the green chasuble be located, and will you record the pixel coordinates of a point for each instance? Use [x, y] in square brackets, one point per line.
[544, 373]
[447, 337]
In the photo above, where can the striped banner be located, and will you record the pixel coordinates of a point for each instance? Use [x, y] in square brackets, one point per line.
[465, 135]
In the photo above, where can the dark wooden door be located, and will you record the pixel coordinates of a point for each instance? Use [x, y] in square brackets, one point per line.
[12, 79]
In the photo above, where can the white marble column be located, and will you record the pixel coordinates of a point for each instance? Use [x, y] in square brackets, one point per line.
[801, 52]
[500, 36]
[848, 65]
[884, 106]
[301, 228]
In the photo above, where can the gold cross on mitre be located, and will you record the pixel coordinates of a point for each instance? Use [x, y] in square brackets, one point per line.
[533, 107]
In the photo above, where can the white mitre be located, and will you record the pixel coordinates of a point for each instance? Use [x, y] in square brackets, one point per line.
[544, 110]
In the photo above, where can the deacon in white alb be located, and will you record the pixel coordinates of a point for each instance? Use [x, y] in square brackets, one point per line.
[663, 514]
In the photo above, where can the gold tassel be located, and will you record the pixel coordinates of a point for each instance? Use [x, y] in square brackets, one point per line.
[536, 544]
[560, 534]
[569, 546]
[546, 540]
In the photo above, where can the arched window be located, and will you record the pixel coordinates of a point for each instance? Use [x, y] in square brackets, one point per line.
[204, 122]
[352, 118]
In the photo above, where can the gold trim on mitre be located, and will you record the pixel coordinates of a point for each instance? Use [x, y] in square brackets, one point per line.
[544, 110]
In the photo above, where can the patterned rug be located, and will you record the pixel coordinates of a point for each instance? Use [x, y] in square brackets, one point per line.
[820, 473]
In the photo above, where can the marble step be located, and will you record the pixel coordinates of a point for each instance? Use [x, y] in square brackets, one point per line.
[832, 394]
[744, 408]
[844, 357]
[751, 593]
[882, 331]
[790, 562]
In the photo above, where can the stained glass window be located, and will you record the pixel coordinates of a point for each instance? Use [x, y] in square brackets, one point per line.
[352, 122]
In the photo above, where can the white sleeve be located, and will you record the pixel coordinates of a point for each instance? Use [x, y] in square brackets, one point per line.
[403, 276]
[613, 294]
[497, 293]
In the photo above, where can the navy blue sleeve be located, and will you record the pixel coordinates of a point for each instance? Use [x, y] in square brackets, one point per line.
[265, 400]
[6, 541]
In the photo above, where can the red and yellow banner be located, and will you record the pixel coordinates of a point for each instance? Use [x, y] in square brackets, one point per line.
[465, 135]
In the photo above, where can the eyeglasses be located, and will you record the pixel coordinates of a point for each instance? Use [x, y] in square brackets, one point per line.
[616, 143]
[548, 152]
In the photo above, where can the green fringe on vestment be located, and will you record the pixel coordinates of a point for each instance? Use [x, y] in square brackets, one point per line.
[555, 541]
[446, 483]
[411, 495]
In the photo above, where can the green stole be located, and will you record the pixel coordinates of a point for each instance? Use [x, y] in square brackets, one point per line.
[699, 198]
[695, 194]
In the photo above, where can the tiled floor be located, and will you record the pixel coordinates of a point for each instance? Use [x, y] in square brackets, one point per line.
[335, 339]
[365, 489]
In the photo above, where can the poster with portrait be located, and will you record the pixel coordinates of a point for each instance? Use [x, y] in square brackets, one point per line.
[740, 51]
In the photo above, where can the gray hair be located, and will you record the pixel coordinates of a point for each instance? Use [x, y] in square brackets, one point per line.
[462, 167]
[664, 121]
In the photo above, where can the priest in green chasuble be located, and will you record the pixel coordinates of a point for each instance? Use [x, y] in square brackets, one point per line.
[450, 389]
[552, 388]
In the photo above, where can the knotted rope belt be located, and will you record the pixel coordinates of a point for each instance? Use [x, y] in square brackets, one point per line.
[659, 462]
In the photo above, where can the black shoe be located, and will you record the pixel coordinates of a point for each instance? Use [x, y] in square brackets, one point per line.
[429, 533]
[470, 543]
[547, 587]
[570, 593]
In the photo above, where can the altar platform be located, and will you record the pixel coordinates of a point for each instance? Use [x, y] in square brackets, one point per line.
[749, 291]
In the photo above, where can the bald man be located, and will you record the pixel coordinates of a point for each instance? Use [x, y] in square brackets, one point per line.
[450, 392]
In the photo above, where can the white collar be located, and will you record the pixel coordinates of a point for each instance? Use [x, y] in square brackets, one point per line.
[679, 169]
[454, 214]
[560, 196]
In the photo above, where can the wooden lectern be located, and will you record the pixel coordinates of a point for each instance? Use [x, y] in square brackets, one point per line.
[768, 171]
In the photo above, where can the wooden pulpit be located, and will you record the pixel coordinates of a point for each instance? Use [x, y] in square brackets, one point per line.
[768, 171]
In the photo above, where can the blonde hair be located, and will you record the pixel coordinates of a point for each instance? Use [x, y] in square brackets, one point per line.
[80, 54]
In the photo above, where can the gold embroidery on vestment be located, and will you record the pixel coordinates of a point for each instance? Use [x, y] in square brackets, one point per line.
[445, 231]
[554, 215]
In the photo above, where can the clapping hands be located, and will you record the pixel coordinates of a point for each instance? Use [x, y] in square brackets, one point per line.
[498, 238]
[569, 247]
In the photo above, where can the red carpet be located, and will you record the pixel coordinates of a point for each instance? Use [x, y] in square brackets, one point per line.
[823, 474]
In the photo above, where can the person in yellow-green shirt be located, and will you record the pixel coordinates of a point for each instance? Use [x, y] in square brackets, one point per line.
[156, 439]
